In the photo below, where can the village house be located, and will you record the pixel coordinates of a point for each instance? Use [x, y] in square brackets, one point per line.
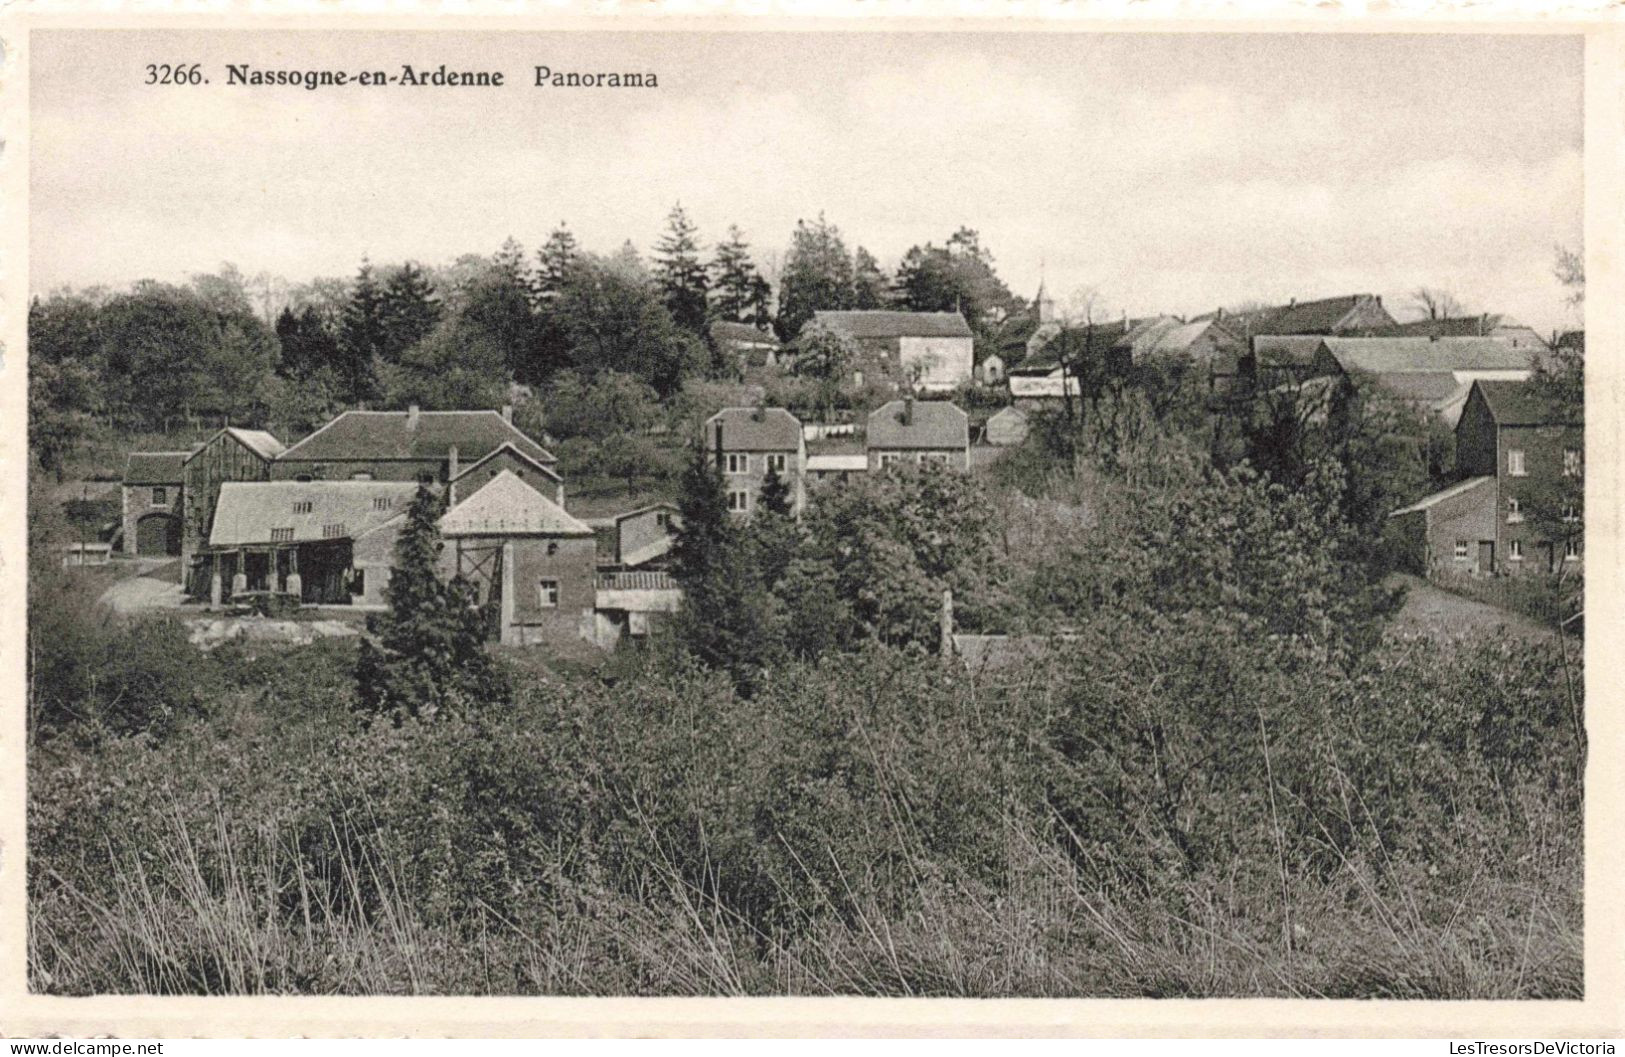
[1432, 375]
[991, 370]
[917, 432]
[232, 454]
[932, 351]
[320, 542]
[1026, 335]
[747, 444]
[1349, 315]
[744, 346]
[1207, 343]
[1502, 328]
[530, 561]
[1518, 509]
[631, 603]
[151, 502]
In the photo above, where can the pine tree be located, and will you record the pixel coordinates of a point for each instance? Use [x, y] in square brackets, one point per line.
[307, 344]
[361, 336]
[679, 273]
[426, 654]
[408, 312]
[736, 286]
[706, 531]
[510, 261]
[775, 496]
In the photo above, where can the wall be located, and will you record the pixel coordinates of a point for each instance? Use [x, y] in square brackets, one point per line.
[946, 362]
[374, 554]
[1469, 516]
[643, 538]
[137, 504]
[795, 463]
[1539, 490]
[958, 458]
[1476, 439]
[471, 482]
[573, 565]
[222, 459]
[1008, 427]
[346, 469]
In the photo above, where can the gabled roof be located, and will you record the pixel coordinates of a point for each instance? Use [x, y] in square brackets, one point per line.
[889, 324]
[258, 441]
[1282, 350]
[1423, 387]
[1396, 355]
[932, 424]
[754, 429]
[507, 506]
[356, 436]
[1459, 488]
[248, 512]
[1297, 317]
[155, 467]
[668, 507]
[1523, 404]
[727, 330]
[510, 448]
[1483, 326]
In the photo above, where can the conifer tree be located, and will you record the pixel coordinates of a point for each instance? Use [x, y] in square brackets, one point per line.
[408, 311]
[361, 336]
[869, 286]
[679, 273]
[817, 276]
[736, 286]
[510, 261]
[426, 654]
[553, 263]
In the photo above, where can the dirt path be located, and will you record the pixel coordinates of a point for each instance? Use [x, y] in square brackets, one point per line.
[140, 593]
[1435, 611]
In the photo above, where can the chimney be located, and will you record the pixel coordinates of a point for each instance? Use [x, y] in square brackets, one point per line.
[945, 645]
[412, 417]
[908, 410]
[507, 413]
[1218, 313]
[1483, 324]
[1292, 302]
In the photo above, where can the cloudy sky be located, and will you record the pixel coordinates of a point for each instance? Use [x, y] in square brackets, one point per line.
[1174, 172]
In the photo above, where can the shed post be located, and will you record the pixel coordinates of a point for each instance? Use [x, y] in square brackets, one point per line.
[946, 646]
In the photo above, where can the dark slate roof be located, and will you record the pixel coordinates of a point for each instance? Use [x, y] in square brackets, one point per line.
[754, 429]
[727, 330]
[1396, 355]
[360, 435]
[888, 324]
[1573, 339]
[1017, 332]
[155, 467]
[1281, 350]
[1299, 317]
[1099, 340]
[935, 424]
[1522, 404]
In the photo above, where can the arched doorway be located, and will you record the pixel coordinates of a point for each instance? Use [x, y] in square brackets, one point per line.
[158, 534]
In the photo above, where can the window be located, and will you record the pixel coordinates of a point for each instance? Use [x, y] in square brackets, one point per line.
[1571, 550]
[303, 506]
[857, 377]
[1461, 550]
[1514, 510]
[663, 519]
[282, 535]
[1571, 462]
[888, 459]
[1515, 465]
[1571, 512]
[425, 477]
[1515, 550]
[361, 475]
[739, 464]
[303, 477]
[776, 463]
[382, 502]
[333, 532]
[552, 548]
[547, 594]
[739, 501]
[358, 581]
[160, 496]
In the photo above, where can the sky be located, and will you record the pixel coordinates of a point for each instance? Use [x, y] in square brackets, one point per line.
[1173, 173]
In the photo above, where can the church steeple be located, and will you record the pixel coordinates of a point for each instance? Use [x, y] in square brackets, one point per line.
[1042, 305]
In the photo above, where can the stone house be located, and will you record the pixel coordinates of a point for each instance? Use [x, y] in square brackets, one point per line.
[644, 536]
[432, 447]
[151, 502]
[1007, 427]
[531, 562]
[747, 443]
[1518, 510]
[911, 431]
[933, 351]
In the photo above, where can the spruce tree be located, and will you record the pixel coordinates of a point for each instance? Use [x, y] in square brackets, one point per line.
[553, 263]
[736, 286]
[817, 276]
[679, 273]
[869, 286]
[361, 336]
[408, 312]
[425, 654]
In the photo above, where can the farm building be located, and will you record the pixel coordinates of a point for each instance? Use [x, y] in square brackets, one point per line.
[412, 445]
[151, 502]
[1008, 427]
[743, 345]
[645, 535]
[1502, 328]
[632, 603]
[230, 455]
[925, 350]
[1430, 374]
[322, 542]
[532, 562]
